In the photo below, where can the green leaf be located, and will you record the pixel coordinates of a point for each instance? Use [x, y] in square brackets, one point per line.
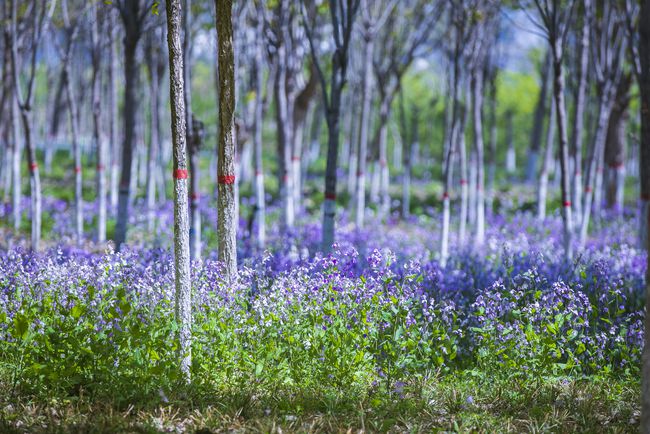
[21, 326]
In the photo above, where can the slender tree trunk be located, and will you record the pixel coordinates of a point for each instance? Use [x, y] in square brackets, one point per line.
[644, 169]
[538, 121]
[615, 146]
[260, 200]
[227, 219]
[284, 133]
[462, 150]
[546, 163]
[130, 109]
[153, 160]
[596, 154]
[493, 143]
[578, 123]
[183, 300]
[384, 176]
[113, 117]
[560, 108]
[447, 173]
[15, 167]
[511, 155]
[76, 152]
[364, 127]
[477, 88]
[100, 143]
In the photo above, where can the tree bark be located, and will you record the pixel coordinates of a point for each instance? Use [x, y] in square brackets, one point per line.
[183, 299]
[560, 108]
[578, 123]
[260, 199]
[477, 90]
[538, 120]
[133, 32]
[644, 169]
[546, 163]
[227, 218]
[615, 146]
[99, 141]
[364, 127]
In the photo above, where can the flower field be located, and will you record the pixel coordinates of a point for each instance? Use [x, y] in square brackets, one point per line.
[376, 323]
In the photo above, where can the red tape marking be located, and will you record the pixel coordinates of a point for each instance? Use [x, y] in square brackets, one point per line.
[33, 166]
[295, 158]
[226, 179]
[445, 195]
[258, 173]
[180, 174]
[587, 189]
[566, 203]
[330, 196]
[359, 173]
[77, 169]
[100, 167]
[463, 182]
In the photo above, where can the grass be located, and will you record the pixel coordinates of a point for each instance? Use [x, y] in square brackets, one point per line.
[458, 403]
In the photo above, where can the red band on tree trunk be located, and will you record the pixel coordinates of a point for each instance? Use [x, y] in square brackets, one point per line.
[100, 167]
[258, 173]
[587, 189]
[445, 195]
[382, 163]
[227, 179]
[330, 196]
[295, 158]
[77, 169]
[463, 181]
[180, 174]
[616, 165]
[33, 166]
[566, 203]
[359, 173]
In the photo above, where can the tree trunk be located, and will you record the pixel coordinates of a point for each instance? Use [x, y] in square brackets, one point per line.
[578, 123]
[596, 155]
[227, 219]
[511, 155]
[384, 176]
[462, 151]
[15, 167]
[183, 299]
[546, 163]
[130, 109]
[560, 108]
[364, 127]
[493, 143]
[477, 88]
[538, 121]
[284, 137]
[615, 146]
[113, 116]
[644, 169]
[99, 142]
[260, 200]
[76, 151]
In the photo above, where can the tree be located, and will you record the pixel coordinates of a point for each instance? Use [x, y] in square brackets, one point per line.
[342, 16]
[608, 51]
[555, 17]
[183, 298]
[40, 15]
[644, 161]
[578, 121]
[100, 142]
[227, 217]
[134, 14]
